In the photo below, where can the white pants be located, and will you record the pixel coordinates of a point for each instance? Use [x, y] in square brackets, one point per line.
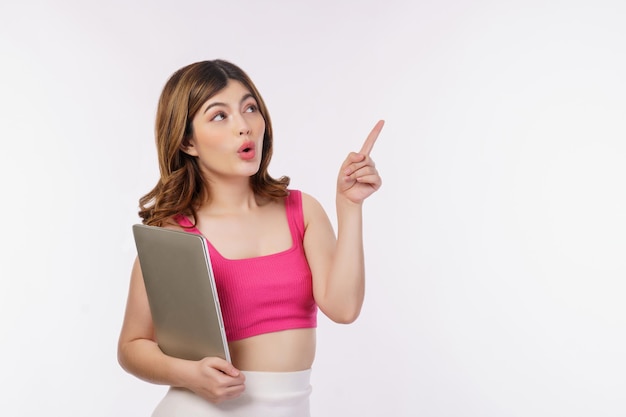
[267, 394]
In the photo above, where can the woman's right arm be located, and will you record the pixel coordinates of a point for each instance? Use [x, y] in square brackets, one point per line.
[138, 353]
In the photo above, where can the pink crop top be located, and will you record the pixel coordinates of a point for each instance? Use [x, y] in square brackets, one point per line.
[269, 293]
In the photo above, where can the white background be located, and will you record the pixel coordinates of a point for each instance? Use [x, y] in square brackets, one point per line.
[495, 249]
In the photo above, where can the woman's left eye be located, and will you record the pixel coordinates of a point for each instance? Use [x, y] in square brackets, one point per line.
[251, 108]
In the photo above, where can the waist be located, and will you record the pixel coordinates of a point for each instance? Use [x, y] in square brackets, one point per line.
[283, 351]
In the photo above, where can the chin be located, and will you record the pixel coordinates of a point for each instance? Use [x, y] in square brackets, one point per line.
[252, 172]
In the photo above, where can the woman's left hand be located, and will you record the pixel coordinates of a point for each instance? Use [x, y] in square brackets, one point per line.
[358, 177]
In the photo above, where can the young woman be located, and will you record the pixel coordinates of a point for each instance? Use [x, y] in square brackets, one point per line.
[273, 249]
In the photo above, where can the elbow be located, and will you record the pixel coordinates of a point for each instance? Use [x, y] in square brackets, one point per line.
[345, 317]
[345, 320]
[121, 359]
[122, 356]
[344, 310]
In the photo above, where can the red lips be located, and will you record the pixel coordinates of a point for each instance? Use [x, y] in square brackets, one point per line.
[246, 151]
[246, 147]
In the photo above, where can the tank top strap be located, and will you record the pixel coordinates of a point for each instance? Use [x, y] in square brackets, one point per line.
[295, 215]
[186, 224]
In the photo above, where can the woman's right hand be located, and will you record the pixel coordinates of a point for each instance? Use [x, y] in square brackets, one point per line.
[215, 380]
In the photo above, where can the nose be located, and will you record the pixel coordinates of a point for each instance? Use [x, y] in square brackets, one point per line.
[243, 126]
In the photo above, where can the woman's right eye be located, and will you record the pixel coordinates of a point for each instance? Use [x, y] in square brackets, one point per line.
[219, 117]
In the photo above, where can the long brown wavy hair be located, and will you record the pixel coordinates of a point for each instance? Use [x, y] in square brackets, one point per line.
[181, 187]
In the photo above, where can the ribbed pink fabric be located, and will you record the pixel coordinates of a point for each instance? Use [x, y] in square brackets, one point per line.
[269, 293]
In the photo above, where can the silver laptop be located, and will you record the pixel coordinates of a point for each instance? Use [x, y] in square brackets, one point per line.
[181, 292]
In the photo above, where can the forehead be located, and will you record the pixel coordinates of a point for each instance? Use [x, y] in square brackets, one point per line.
[234, 92]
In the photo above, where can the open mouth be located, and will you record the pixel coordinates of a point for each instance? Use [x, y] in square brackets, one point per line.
[246, 151]
[246, 147]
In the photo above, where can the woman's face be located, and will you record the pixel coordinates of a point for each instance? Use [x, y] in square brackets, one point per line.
[228, 134]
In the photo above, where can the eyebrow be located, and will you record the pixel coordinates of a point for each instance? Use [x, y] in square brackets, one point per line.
[219, 103]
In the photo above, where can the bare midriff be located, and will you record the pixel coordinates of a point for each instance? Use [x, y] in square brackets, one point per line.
[284, 351]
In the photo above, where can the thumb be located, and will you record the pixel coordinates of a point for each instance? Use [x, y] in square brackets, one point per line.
[225, 367]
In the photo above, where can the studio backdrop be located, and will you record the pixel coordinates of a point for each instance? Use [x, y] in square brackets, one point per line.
[494, 250]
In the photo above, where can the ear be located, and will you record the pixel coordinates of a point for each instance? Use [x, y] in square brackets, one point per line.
[189, 147]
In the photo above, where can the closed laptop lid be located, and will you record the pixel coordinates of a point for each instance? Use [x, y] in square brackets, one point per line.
[181, 291]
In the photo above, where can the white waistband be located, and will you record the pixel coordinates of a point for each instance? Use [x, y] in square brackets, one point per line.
[267, 394]
[262, 382]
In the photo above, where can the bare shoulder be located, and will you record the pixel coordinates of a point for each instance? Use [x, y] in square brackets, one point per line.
[310, 203]
[312, 208]
[172, 224]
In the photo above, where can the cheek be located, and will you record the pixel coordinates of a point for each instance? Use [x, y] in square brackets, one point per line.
[260, 127]
[210, 136]
[254, 117]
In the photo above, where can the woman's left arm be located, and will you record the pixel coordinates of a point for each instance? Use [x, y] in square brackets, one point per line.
[337, 264]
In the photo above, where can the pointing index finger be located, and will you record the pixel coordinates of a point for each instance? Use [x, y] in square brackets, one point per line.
[371, 138]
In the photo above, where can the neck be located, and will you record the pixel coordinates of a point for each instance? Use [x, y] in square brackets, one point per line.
[230, 197]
